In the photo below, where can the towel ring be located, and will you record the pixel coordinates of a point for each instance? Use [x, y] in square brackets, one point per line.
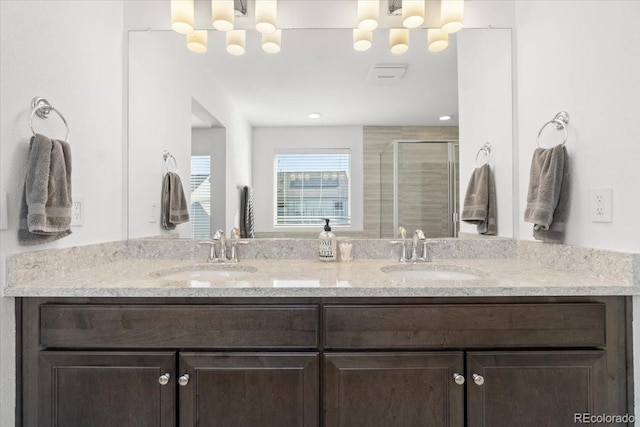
[486, 149]
[166, 155]
[42, 108]
[560, 121]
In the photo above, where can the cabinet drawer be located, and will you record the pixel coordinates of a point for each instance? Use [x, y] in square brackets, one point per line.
[173, 326]
[465, 325]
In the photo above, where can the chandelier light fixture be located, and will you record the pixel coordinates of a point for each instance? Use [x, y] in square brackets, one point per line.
[182, 16]
[235, 40]
[368, 14]
[266, 16]
[451, 15]
[197, 41]
[222, 14]
[437, 40]
[272, 42]
[412, 13]
[362, 40]
[448, 19]
[399, 40]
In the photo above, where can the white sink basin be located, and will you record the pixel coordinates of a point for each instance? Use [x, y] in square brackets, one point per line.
[206, 272]
[430, 272]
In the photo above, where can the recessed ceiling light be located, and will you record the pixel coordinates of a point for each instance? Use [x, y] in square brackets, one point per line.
[443, 118]
[314, 115]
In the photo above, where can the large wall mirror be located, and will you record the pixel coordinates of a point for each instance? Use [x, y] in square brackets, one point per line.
[231, 121]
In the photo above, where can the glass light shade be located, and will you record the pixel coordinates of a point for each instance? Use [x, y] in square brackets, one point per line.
[266, 16]
[236, 41]
[271, 42]
[398, 40]
[362, 40]
[412, 13]
[368, 14]
[222, 14]
[197, 41]
[437, 40]
[182, 16]
[452, 15]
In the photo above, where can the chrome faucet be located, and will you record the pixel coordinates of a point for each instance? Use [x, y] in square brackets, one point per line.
[418, 236]
[218, 236]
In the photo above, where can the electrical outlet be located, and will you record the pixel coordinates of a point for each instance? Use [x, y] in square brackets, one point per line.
[601, 204]
[77, 211]
[153, 211]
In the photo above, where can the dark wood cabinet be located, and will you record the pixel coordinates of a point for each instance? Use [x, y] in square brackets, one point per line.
[534, 388]
[303, 362]
[393, 389]
[106, 389]
[248, 390]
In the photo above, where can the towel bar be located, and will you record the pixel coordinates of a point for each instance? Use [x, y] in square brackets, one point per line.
[560, 121]
[486, 149]
[42, 108]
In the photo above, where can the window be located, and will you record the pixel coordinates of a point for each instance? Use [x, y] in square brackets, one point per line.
[312, 186]
[200, 210]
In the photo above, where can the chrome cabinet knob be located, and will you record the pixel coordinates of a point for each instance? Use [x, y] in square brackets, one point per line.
[183, 380]
[459, 379]
[478, 379]
[164, 379]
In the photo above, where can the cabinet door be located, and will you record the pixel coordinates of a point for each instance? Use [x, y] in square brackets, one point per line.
[249, 389]
[393, 389]
[541, 388]
[106, 389]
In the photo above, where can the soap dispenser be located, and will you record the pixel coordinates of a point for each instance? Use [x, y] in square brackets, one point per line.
[328, 243]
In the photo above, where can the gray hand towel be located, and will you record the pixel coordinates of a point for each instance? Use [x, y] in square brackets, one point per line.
[480, 201]
[45, 211]
[548, 196]
[174, 209]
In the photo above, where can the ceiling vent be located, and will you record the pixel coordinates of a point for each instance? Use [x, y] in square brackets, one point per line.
[386, 74]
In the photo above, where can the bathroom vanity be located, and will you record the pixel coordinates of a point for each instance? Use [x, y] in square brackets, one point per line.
[364, 343]
[322, 361]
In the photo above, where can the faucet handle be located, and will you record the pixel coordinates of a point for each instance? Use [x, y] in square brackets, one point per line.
[234, 251]
[218, 234]
[403, 250]
[235, 233]
[212, 248]
[419, 234]
[402, 233]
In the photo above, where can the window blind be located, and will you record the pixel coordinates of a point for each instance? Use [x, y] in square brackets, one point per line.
[309, 187]
[200, 209]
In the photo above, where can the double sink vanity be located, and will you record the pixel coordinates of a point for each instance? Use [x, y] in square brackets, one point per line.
[492, 332]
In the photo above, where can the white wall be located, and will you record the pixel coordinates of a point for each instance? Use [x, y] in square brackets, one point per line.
[568, 61]
[212, 142]
[584, 57]
[163, 78]
[485, 112]
[75, 61]
[269, 139]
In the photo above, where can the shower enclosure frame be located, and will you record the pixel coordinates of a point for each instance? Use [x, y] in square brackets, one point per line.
[453, 178]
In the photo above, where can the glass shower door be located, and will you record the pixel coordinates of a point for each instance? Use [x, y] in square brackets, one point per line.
[419, 188]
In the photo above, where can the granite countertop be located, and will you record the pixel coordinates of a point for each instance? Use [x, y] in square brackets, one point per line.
[313, 278]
